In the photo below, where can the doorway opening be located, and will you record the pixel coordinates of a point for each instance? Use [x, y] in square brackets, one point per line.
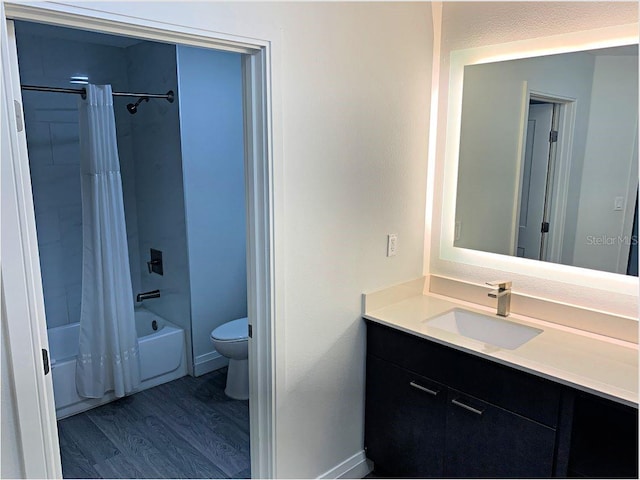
[254, 184]
[537, 180]
[546, 166]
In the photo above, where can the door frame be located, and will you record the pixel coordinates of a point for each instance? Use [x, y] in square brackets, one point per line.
[21, 286]
[36, 410]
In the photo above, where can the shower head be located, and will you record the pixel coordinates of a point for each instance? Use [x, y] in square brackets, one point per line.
[133, 107]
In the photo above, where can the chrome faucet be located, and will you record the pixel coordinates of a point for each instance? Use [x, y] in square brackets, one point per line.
[503, 294]
[147, 295]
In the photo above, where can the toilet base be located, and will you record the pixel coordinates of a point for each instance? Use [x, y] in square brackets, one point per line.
[238, 379]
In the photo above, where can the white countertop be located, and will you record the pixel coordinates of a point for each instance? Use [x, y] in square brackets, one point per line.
[594, 363]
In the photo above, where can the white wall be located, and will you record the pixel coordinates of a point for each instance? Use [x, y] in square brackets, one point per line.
[211, 130]
[613, 130]
[351, 86]
[475, 24]
[355, 127]
[493, 111]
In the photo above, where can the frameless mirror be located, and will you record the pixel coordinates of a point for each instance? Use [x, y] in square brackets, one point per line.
[548, 159]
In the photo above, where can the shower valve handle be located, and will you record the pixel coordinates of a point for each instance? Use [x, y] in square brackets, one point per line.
[151, 263]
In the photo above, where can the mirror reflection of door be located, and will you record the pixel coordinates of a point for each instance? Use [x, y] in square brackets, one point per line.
[535, 192]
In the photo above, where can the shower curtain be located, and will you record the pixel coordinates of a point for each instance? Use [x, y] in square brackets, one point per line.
[108, 355]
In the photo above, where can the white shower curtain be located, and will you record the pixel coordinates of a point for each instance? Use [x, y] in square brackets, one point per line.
[108, 355]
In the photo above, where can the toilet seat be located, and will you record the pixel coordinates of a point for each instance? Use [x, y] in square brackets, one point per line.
[233, 331]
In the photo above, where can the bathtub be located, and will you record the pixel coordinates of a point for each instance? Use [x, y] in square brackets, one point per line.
[162, 359]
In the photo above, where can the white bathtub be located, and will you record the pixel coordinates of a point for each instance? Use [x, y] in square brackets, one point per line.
[162, 359]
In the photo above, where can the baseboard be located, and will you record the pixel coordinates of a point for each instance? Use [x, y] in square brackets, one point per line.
[356, 466]
[208, 363]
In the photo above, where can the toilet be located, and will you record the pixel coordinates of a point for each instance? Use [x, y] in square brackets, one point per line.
[231, 340]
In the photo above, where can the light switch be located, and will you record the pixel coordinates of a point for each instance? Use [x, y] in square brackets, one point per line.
[392, 244]
[618, 203]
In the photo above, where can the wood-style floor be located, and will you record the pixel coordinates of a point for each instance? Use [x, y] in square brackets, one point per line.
[187, 428]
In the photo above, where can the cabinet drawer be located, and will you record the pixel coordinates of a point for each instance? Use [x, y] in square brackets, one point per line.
[525, 394]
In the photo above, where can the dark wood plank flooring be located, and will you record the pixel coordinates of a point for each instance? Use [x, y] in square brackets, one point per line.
[187, 428]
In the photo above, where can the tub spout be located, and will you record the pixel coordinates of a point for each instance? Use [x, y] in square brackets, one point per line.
[147, 295]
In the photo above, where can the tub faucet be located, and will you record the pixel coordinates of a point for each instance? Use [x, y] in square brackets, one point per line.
[147, 295]
[503, 294]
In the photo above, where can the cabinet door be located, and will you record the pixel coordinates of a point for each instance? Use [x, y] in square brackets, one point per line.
[405, 421]
[604, 440]
[487, 441]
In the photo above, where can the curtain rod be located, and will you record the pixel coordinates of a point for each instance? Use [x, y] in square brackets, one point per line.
[83, 92]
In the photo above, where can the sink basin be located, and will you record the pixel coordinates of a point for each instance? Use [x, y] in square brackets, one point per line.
[494, 331]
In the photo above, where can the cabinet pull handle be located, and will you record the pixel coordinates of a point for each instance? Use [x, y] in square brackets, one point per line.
[424, 389]
[467, 407]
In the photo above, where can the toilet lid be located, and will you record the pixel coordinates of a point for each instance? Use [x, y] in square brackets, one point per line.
[233, 330]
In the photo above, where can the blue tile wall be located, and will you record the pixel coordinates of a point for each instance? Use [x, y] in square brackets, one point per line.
[51, 122]
[156, 146]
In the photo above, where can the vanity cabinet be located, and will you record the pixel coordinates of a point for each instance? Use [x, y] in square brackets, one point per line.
[417, 427]
[434, 411]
